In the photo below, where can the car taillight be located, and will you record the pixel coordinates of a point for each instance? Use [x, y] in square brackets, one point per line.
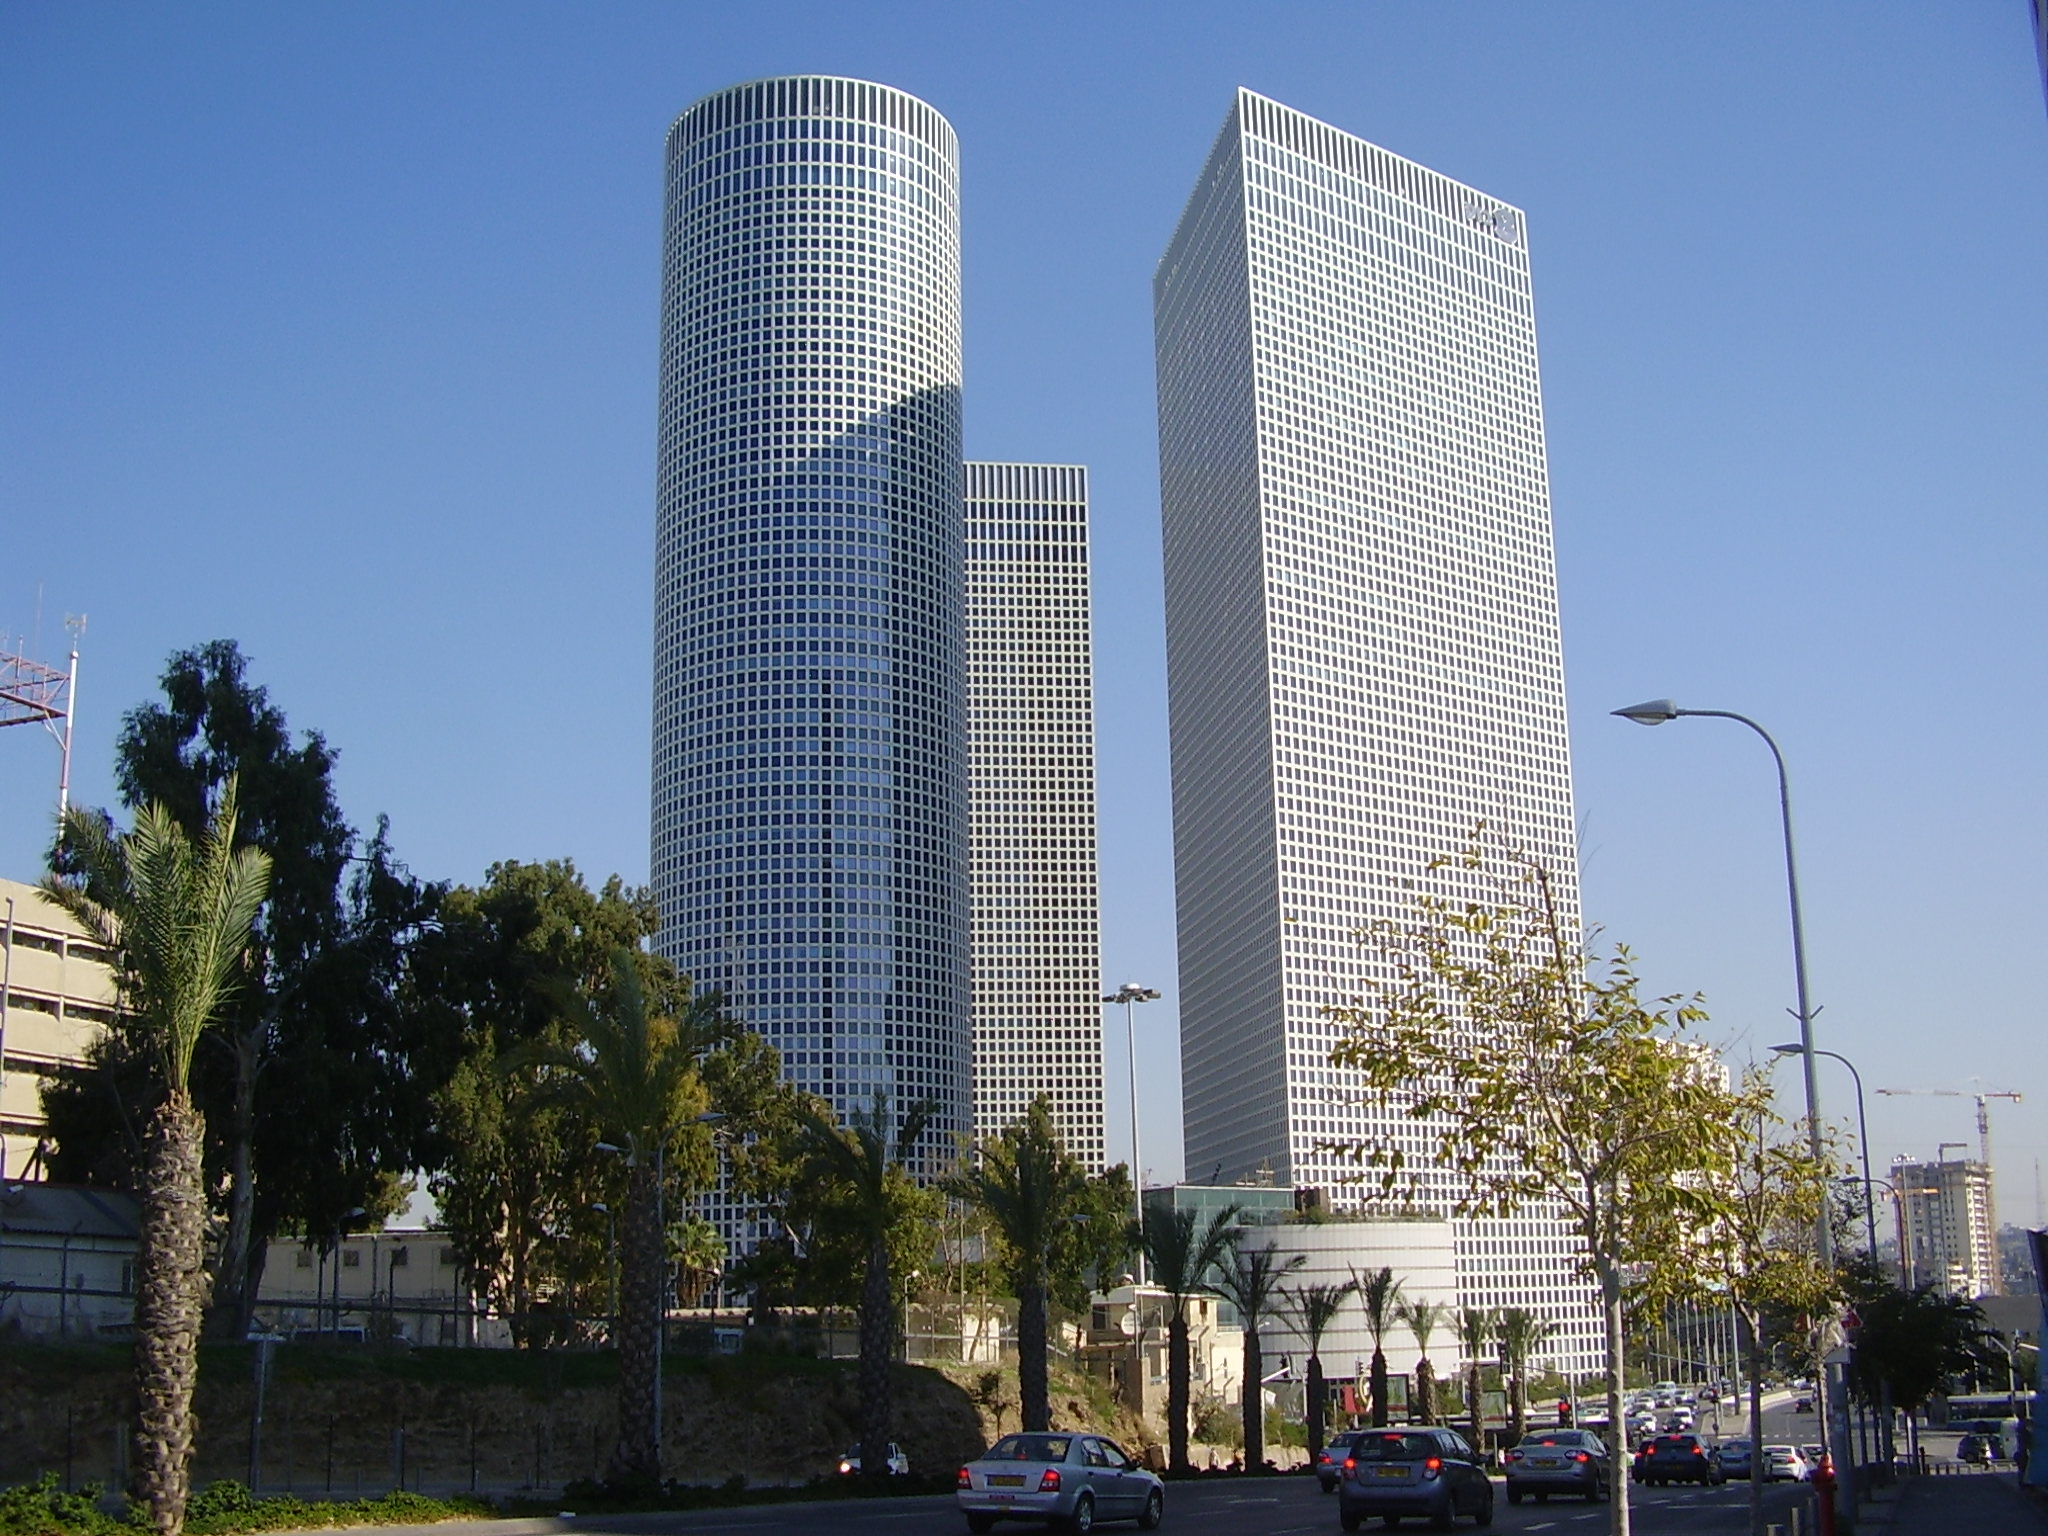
[1699, 1450]
[1433, 1466]
[1580, 1456]
[1514, 1455]
[966, 1479]
[845, 1467]
[1050, 1483]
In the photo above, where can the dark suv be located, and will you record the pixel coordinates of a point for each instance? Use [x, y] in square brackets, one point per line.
[1677, 1459]
[1415, 1471]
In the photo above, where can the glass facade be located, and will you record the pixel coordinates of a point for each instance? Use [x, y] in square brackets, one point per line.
[1363, 653]
[810, 810]
[1031, 725]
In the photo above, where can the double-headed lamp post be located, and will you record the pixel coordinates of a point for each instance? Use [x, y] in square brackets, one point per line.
[1130, 994]
[1657, 712]
[1862, 1137]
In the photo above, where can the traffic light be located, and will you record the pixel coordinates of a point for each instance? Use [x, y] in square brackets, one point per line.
[1564, 1412]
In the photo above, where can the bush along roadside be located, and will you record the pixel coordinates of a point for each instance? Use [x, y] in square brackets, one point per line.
[221, 1509]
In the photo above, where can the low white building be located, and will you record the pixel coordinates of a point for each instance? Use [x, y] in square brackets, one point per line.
[67, 1260]
[397, 1283]
[1423, 1256]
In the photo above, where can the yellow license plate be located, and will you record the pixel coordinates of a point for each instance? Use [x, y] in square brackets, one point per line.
[1400, 1472]
[1002, 1481]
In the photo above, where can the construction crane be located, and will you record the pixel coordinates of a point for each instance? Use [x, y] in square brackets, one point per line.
[1983, 1111]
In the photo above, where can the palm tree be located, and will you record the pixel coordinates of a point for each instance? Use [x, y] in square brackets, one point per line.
[1182, 1258]
[177, 917]
[1422, 1318]
[869, 1167]
[1380, 1294]
[1031, 1188]
[634, 1075]
[1251, 1279]
[1522, 1333]
[1476, 1328]
[1315, 1308]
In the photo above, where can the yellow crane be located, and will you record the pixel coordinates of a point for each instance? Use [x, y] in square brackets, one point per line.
[1983, 1110]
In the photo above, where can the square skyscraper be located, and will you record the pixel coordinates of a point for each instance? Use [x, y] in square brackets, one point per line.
[1363, 652]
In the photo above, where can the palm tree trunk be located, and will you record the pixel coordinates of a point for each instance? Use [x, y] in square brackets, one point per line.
[1379, 1387]
[170, 1297]
[636, 1458]
[1032, 1384]
[1314, 1405]
[877, 1352]
[1424, 1407]
[1254, 1403]
[1178, 1374]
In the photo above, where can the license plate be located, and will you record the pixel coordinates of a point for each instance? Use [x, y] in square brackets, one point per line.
[1001, 1480]
[1544, 1461]
[1400, 1472]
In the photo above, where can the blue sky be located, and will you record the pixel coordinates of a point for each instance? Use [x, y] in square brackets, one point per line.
[333, 329]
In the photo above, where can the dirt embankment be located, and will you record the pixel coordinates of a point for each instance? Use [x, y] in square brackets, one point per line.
[352, 1421]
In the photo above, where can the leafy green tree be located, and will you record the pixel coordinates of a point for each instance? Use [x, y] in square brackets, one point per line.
[1184, 1253]
[1315, 1308]
[1538, 1077]
[1522, 1333]
[1917, 1343]
[1476, 1327]
[1379, 1293]
[865, 1164]
[1422, 1317]
[1031, 1189]
[632, 1074]
[308, 1085]
[177, 915]
[1251, 1277]
[511, 1168]
[1107, 1243]
[1757, 1256]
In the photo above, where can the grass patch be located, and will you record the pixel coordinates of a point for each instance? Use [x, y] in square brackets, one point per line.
[222, 1509]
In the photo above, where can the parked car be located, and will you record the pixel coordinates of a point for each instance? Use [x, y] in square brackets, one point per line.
[1066, 1480]
[899, 1464]
[1558, 1461]
[1734, 1457]
[1679, 1459]
[1979, 1449]
[1783, 1463]
[1330, 1459]
[1396, 1472]
[1802, 1404]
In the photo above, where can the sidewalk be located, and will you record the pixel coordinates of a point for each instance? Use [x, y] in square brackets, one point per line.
[1987, 1504]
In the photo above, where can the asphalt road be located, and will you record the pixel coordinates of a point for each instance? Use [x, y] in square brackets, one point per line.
[1289, 1506]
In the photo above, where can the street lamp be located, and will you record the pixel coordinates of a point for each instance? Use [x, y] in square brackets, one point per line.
[1658, 712]
[1130, 994]
[1862, 1137]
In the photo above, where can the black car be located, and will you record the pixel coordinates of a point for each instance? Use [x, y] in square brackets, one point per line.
[1678, 1459]
[1416, 1471]
[1330, 1459]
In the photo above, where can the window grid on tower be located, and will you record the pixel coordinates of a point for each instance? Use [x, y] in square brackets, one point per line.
[1031, 732]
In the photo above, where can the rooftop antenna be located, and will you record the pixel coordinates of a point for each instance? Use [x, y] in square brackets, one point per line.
[32, 693]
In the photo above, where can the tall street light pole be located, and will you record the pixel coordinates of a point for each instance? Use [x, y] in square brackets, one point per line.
[1862, 1137]
[1130, 994]
[1657, 712]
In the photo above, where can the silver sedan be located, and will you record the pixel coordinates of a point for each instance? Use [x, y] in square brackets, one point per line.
[1062, 1479]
